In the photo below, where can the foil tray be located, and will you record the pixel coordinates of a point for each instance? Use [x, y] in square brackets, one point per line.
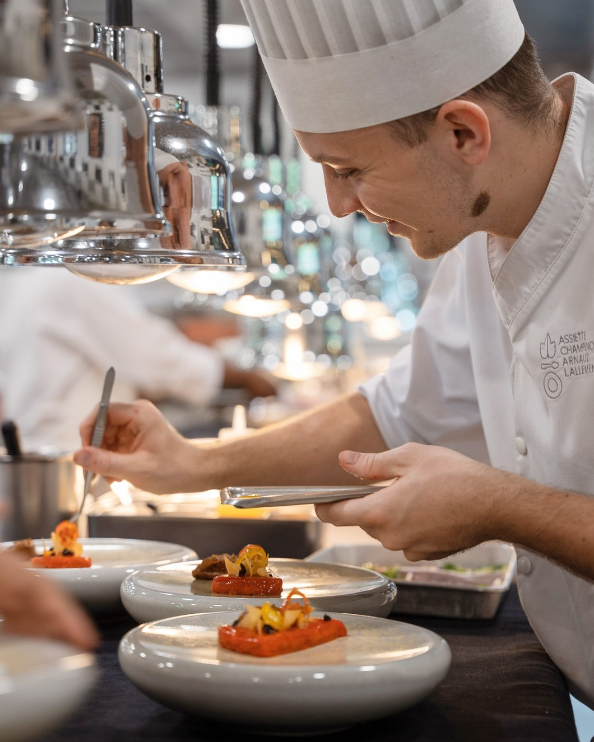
[429, 599]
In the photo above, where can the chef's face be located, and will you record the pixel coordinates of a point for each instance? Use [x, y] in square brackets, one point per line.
[419, 192]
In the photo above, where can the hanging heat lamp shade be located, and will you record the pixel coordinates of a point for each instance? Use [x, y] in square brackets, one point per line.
[36, 91]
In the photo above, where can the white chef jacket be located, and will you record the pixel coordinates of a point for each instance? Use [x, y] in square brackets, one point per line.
[59, 334]
[501, 368]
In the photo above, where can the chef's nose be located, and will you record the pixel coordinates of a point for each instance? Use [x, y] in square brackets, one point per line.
[342, 196]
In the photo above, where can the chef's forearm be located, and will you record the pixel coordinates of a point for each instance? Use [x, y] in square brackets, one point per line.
[303, 450]
[557, 524]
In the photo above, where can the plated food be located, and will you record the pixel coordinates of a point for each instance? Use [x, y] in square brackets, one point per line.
[66, 551]
[379, 668]
[172, 590]
[245, 574]
[267, 631]
[112, 559]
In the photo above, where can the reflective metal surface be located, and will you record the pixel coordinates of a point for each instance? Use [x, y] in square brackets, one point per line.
[97, 181]
[192, 170]
[140, 52]
[37, 491]
[36, 92]
[258, 206]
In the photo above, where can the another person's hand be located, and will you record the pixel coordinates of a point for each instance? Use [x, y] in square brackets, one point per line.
[259, 384]
[441, 502]
[140, 446]
[33, 606]
[256, 383]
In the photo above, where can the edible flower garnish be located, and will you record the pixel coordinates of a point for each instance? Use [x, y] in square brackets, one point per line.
[64, 541]
[251, 561]
[267, 617]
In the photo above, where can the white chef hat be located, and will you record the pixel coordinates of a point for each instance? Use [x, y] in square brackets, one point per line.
[337, 65]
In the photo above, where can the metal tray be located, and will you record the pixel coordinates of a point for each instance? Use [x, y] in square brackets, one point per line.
[429, 599]
[268, 497]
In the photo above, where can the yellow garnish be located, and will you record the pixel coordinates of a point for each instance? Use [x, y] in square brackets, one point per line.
[291, 613]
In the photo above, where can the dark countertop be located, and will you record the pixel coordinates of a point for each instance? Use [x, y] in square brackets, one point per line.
[502, 686]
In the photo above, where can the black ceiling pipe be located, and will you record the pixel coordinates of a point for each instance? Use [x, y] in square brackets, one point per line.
[213, 75]
[257, 70]
[119, 13]
[276, 131]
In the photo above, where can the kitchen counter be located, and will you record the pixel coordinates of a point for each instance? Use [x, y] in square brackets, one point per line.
[502, 687]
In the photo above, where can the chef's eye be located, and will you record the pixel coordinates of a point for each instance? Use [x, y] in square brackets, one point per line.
[343, 176]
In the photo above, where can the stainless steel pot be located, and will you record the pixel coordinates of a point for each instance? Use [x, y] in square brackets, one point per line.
[37, 491]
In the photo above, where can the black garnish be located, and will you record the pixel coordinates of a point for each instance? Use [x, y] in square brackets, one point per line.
[242, 570]
[327, 617]
[268, 629]
[67, 552]
[235, 623]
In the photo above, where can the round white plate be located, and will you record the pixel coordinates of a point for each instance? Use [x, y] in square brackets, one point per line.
[41, 683]
[162, 592]
[380, 668]
[113, 559]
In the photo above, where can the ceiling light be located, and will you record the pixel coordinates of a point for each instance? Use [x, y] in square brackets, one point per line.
[234, 36]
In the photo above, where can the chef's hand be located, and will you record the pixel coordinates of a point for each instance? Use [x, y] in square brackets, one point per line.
[31, 605]
[441, 502]
[139, 445]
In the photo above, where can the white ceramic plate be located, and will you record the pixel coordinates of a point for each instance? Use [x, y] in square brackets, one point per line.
[41, 683]
[162, 592]
[113, 559]
[380, 668]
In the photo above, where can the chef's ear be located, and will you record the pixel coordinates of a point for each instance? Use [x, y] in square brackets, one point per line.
[466, 129]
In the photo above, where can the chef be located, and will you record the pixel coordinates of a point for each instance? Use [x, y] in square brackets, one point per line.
[60, 333]
[436, 119]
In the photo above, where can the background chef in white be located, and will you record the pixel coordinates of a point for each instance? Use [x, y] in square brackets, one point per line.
[60, 333]
[436, 119]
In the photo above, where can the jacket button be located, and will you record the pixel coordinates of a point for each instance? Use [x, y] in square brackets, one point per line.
[524, 565]
[521, 446]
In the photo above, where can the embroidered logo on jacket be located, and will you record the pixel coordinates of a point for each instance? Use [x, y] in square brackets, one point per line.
[572, 355]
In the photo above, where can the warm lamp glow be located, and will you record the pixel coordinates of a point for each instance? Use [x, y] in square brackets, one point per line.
[251, 306]
[357, 310]
[383, 328]
[294, 368]
[211, 282]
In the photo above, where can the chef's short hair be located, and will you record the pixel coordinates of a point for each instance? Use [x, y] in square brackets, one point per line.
[520, 89]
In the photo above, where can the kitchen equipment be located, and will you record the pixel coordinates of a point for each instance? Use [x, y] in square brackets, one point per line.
[192, 169]
[97, 181]
[210, 534]
[379, 668]
[426, 596]
[43, 683]
[260, 497]
[36, 91]
[37, 491]
[98, 431]
[162, 592]
[98, 587]
[10, 435]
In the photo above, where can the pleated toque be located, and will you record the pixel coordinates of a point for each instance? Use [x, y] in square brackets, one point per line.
[337, 65]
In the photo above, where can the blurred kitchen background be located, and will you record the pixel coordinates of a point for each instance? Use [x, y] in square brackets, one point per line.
[330, 301]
